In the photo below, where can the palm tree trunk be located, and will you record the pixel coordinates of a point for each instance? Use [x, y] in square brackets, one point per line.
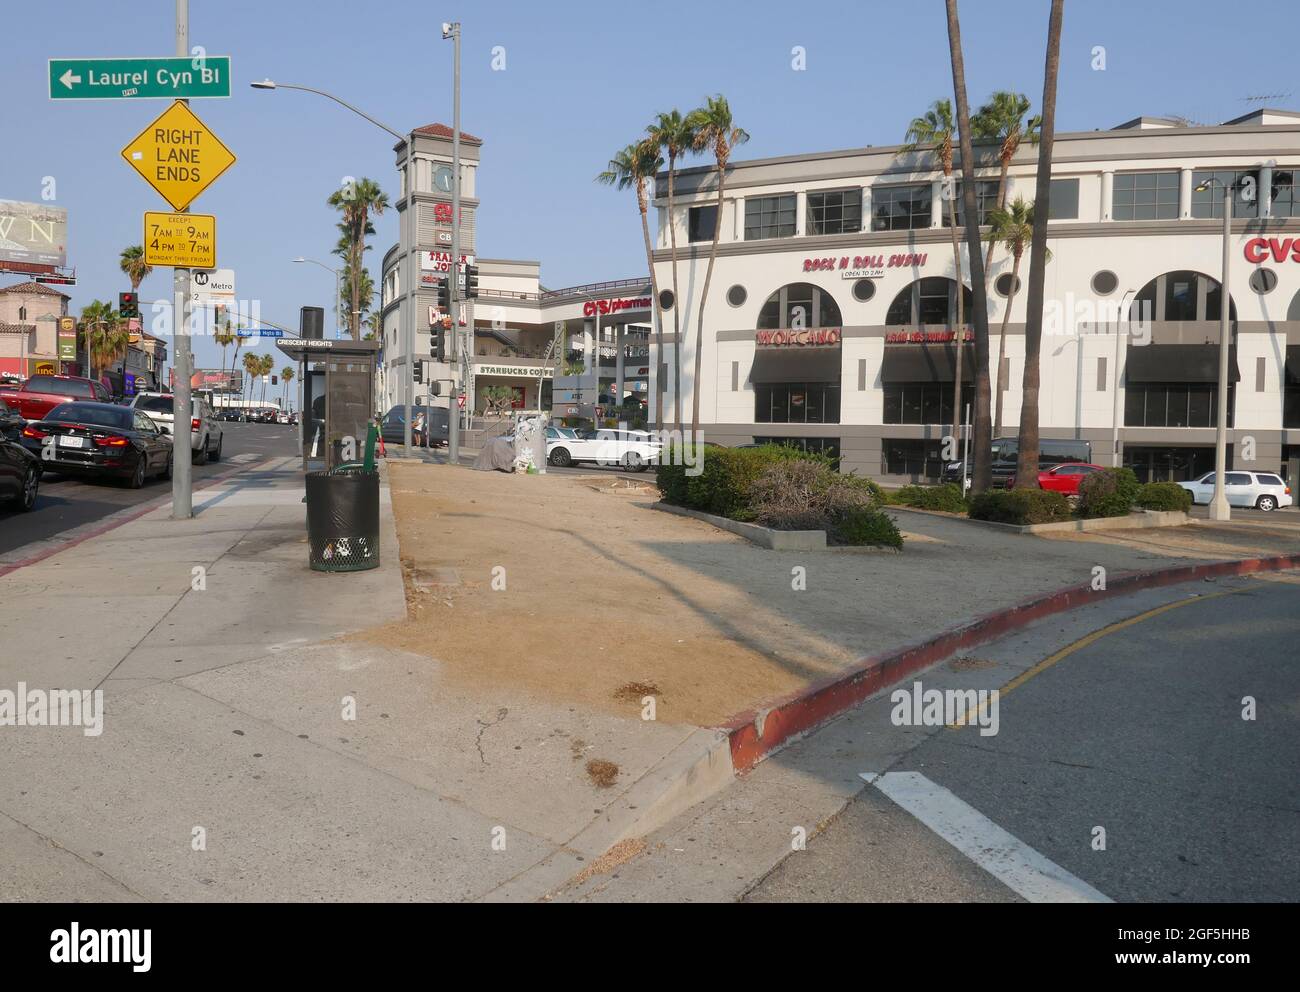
[357, 247]
[961, 322]
[982, 440]
[1002, 345]
[704, 296]
[1027, 460]
[657, 310]
[677, 302]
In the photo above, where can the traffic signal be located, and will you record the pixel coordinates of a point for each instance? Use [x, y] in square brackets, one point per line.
[419, 372]
[128, 304]
[435, 388]
[471, 282]
[439, 345]
[444, 295]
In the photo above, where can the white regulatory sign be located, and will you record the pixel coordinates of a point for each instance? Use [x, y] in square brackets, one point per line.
[209, 285]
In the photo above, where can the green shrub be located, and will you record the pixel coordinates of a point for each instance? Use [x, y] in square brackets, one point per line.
[670, 477]
[946, 497]
[1164, 496]
[1108, 493]
[722, 486]
[864, 526]
[1020, 506]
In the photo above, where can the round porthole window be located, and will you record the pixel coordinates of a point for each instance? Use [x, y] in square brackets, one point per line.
[737, 296]
[1263, 281]
[864, 289]
[666, 299]
[1104, 282]
[1003, 284]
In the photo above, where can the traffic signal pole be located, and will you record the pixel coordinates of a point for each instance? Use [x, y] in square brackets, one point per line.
[182, 360]
[453, 274]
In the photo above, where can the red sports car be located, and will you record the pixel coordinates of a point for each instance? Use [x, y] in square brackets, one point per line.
[1066, 478]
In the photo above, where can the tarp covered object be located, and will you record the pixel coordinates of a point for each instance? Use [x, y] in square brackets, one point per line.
[497, 455]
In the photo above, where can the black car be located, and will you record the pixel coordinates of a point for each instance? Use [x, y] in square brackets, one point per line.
[100, 439]
[437, 426]
[20, 475]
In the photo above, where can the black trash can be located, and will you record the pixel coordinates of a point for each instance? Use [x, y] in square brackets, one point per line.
[343, 519]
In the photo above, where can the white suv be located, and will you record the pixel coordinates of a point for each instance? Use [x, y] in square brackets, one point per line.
[206, 435]
[1263, 490]
[634, 450]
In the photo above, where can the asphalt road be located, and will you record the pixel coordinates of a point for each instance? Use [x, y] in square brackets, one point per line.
[66, 502]
[1139, 732]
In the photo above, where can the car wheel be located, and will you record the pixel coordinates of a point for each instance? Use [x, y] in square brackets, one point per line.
[632, 462]
[1267, 503]
[136, 479]
[201, 456]
[31, 486]
[216, 455]
[560, 458]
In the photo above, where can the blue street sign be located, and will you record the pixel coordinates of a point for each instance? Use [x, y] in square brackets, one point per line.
[265, 332]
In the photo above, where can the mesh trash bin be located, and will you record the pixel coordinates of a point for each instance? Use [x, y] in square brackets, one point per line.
[343, 519]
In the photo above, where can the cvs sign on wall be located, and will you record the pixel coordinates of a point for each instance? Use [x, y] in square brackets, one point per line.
[1259, 250]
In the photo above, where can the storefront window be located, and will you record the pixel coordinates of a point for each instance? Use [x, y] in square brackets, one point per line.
[916, 458]
[1175, 404]
[986, 200]
[928, 301]
[1245, 193]
[835, 212]
[918, 403]
[1179, 294]
[799, 304]
[1145, 196]
[701, 222]
[1286, 198]
[900, 208]
[797, 403]
[769, 217]
[1065, 200]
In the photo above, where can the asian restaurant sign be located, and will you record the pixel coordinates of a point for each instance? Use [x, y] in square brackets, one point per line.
[926, 337]
[865, 266]
[820, 337]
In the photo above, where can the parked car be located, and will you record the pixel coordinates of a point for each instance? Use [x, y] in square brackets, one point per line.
[206, 435]
[11, 424]
[42, 393]
[20, 474]
[1065, 478]
[1006, 449]
[634, 450]
[1262, 490]
[437, 426]
[100, 439]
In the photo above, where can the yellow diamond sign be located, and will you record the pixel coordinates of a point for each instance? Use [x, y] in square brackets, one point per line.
[178, 156]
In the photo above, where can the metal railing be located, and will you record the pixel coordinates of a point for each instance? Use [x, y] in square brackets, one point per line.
[594, 287]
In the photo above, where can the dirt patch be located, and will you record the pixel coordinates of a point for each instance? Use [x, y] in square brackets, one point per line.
[965, 663]
[634, 692]
[602, 773]
[620, 854]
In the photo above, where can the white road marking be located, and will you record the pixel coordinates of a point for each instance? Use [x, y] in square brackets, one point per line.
[1015, 864]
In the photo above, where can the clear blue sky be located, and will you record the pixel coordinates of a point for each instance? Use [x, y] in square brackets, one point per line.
[582, 79]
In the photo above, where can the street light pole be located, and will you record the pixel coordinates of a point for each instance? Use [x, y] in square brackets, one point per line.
[452, 31]
[407, 243]
[1219, 508]
[338, 292]
[183, 360]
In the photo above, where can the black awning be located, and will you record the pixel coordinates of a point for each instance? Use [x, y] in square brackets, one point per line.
[926, 363]
[796, 365]
[1178, 363]
[1293, 365]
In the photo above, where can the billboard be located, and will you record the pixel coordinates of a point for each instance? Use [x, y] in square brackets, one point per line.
[35, 233]
[222, 381]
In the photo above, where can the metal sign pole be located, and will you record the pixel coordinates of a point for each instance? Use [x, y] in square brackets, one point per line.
[182, 494]
[453, 448]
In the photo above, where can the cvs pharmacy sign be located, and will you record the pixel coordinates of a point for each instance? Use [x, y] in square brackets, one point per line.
[1259, 250]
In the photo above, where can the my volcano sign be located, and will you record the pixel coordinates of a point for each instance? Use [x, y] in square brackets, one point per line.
[176, 78]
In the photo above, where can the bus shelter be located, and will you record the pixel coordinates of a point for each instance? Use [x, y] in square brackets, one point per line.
[336, 397]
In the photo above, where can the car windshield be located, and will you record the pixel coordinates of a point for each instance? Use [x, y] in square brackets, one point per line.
[49, 384]
[90, 413]
[154, 404]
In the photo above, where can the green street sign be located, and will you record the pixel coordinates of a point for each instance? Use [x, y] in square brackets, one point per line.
[140, 79]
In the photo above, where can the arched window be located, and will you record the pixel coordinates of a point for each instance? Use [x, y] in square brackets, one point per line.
[800, 304]
[932, 300]
[1181, 295]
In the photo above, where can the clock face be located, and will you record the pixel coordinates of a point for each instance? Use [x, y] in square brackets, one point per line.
[442, 178]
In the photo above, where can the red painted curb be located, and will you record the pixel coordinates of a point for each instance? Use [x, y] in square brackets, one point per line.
[147, 508]
[757, 733]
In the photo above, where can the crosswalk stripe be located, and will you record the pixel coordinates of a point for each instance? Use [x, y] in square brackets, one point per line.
[1017, 865]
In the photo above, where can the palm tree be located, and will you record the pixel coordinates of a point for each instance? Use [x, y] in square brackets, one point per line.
[1002, 120]
[240, 338]
[366, 294]
[713, 127]
[672, 133]
[225, 339]
[357, 202]
[286, 377]
[133, 264]
[252, 365]
[264, 366]
[1013, 228]
[633, 166]
[982, 447]
[108, 338]
[1027, 459]
[936, 128]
